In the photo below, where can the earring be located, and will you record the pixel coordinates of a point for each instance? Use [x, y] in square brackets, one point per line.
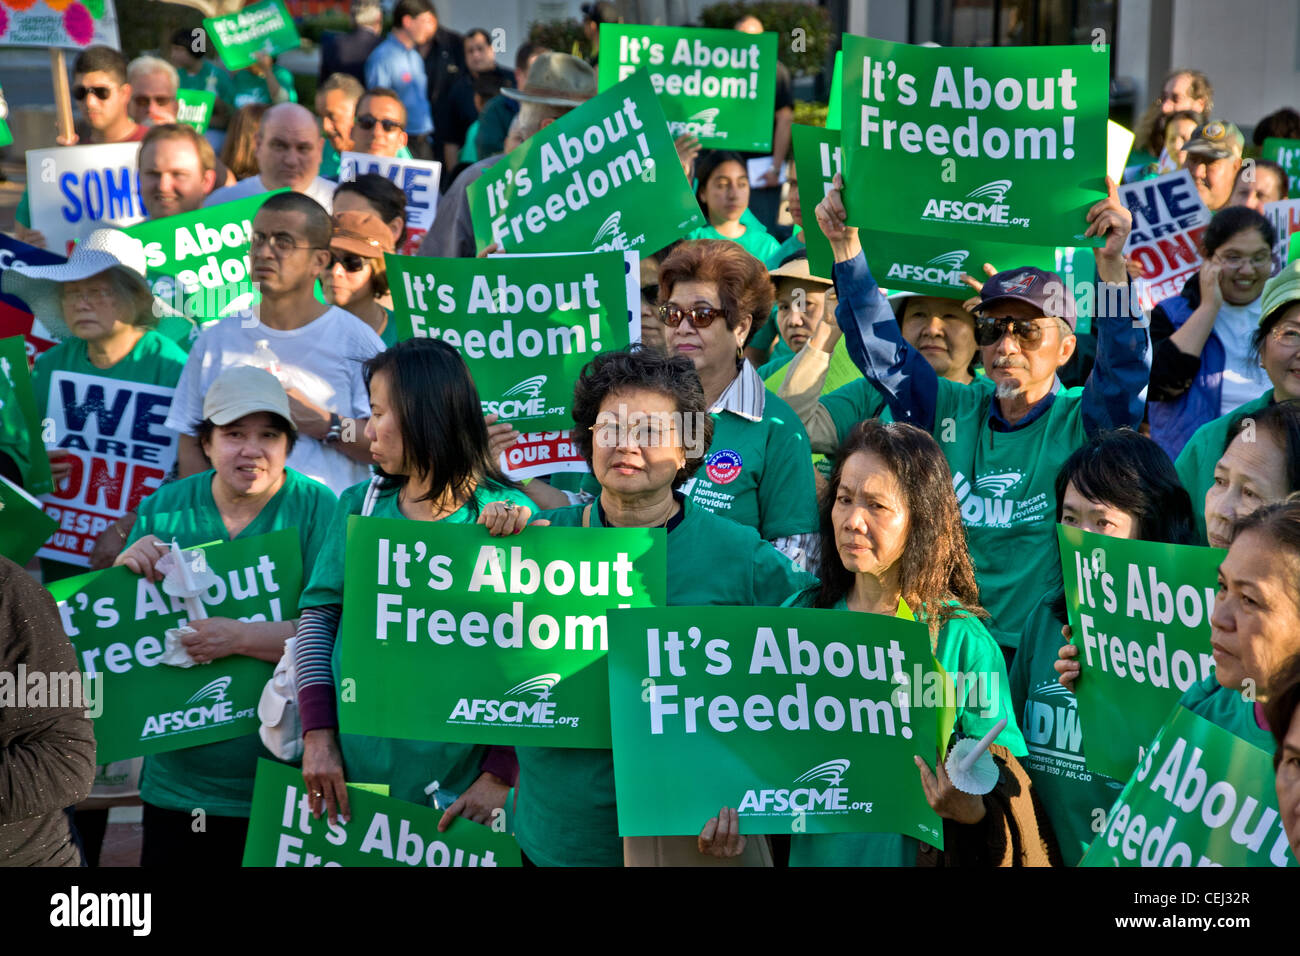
[740, 353]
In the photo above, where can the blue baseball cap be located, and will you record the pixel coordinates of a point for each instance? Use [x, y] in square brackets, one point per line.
[1045, 291]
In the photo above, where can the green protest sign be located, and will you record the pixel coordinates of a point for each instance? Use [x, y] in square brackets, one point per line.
[24, 525]
[928, 265]
[381, 831]
[1286, 153]
[717, 85]
[19, 419]
[264, 27]
[197, 263]
[1005, 143]
[1202, 796]
[1140, 615]
[195, 108]
[452, 635]
[834, 118]
[117, 622]
[554, 192]
[816, 161]
[526, 325]
[805, 721]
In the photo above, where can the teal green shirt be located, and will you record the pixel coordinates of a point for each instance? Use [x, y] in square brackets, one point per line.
[407, 766]
[755, 240]
[1227, 709]
[1005, 485]
[1070, 793]
[247, 88]
[219, 777]
[565, 814]
[1195, 464]
[756, 472]
[795, 243]
[210, 78]
[329, 161]
[155, 360]
[965, 647]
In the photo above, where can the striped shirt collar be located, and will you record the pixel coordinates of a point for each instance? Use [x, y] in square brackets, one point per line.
[746, 396]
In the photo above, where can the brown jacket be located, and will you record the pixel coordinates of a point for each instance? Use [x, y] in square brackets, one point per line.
[1014, 832]
[47, 754]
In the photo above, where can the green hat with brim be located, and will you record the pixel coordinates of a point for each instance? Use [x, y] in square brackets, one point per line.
[1280, 291]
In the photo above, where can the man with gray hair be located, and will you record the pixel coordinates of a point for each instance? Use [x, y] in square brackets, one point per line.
[336, 105]
[153, 91]
[556, 84]
[288, 149]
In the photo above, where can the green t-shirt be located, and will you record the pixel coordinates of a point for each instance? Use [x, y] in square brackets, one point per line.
[757, 474]
[1070, 793]
[1227, 709]
[840, 372]
[155, 360]
[210, 78]
[964, 647]
[407, 766]
[781, 356]
[565, 813]
[755, 240]
[389, 335]
[1005, 485]
[1195, 464]
[329, 161]
[219, 777]
[788, 248]
[247, 88]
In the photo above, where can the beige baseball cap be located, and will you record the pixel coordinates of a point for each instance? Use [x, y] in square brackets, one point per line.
[243, 390]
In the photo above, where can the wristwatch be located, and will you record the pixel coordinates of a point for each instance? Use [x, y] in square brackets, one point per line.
[335, 434]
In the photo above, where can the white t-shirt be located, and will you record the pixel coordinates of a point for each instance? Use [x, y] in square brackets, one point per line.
[322, 360]
[1243, 379]
[321, 190]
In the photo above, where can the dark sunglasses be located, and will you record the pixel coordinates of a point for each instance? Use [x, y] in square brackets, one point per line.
[350, 261]
[79, 92]
[672, 316]
[368, 122]
[989, 330]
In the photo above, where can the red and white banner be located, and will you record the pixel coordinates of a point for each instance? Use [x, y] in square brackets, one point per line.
[1168, 220]
[119, 449]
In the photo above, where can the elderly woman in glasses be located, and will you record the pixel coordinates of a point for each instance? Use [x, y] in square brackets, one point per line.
[357, 279]
[1202, 365]
[712, 296]
[642, 423]
[100, 306]
[1276, 344]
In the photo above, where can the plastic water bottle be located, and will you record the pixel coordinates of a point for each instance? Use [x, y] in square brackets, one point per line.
[263, 357]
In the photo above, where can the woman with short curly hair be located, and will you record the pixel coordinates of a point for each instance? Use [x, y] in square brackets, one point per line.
[712, 296]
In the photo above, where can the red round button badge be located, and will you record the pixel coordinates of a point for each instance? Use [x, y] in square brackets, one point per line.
[723, 467]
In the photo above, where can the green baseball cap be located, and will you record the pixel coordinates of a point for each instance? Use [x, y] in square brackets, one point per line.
[1217, 139]
[1280, 291]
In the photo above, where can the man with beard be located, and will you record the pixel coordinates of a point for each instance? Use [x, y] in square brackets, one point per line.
[1005, 445]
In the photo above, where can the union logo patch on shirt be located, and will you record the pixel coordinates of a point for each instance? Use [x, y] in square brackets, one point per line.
[723, 467]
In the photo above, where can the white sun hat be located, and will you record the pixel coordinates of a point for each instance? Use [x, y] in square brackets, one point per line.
[39, 286]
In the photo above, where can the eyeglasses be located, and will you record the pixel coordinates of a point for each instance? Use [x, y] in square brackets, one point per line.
[1258, 261]
[80, 92]
[645, 432]
[350, 261]
[672, 316]
[96, 296]
[143, 100]
[1287, 336]
[367, 123]
[281, 242]
[989, 331]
